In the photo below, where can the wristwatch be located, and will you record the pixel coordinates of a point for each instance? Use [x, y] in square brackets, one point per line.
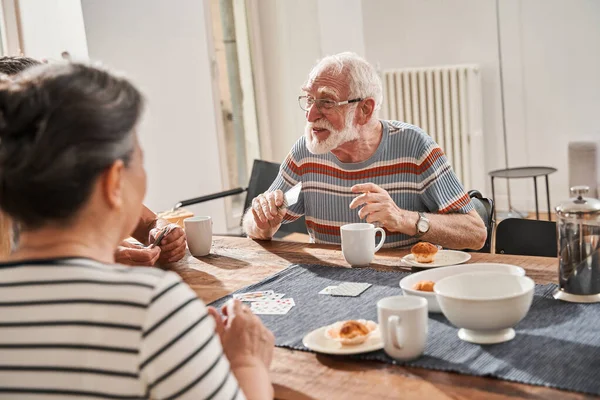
[422, 225]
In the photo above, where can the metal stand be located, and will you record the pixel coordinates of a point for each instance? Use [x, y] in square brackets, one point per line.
[520, 173]
[512, 212]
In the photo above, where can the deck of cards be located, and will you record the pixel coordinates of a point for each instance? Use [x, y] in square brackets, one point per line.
[347, 289]
[266, 302]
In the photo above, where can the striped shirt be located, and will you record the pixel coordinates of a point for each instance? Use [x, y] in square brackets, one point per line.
[408, 164]
[76, 328]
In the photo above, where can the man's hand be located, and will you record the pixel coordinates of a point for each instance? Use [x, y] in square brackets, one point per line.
[380, 207]
[266, 211]
[130, 254]
[172, 246]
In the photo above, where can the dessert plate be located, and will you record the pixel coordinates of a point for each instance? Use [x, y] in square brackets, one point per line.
[443, 258]
[317, 341]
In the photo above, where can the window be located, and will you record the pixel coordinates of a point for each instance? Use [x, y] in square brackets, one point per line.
[233, 72]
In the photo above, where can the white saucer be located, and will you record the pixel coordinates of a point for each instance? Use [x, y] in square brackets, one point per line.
[489, 337]
[443, 258]
[317, 341]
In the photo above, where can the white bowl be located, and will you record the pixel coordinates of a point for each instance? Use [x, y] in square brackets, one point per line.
[485, 305]
[437, 274]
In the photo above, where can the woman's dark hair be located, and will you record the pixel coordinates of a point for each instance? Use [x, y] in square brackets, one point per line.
[12, 65]
[61, 126]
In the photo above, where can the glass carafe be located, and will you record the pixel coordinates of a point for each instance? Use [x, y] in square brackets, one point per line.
[578, 226]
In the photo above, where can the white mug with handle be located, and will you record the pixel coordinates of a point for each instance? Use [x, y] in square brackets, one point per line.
[199, 235]
[358, 243]
[403, 322]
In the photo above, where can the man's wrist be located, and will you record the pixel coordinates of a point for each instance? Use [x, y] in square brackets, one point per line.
[409, 223]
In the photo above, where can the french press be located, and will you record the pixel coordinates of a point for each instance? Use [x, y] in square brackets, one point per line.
[578, 226]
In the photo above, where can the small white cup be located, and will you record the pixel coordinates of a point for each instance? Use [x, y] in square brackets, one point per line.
[358, 243]
[404, 326]
[199, 235]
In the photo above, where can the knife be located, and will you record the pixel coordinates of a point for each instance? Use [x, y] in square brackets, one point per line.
[291, 196]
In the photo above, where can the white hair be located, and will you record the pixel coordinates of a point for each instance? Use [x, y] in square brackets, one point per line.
[363, 79]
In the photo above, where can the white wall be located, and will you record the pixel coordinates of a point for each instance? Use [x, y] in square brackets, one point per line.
[290, 42]
[406, 33]
[550, 59]
[49, 27]
[163, 47]
[559, 66]
[341, 26]
[295, 34]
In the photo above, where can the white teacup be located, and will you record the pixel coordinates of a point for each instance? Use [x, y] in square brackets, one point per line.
[403, 322]
[358, 243]
[199, 235]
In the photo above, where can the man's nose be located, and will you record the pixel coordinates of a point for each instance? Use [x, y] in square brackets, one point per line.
[313, 113]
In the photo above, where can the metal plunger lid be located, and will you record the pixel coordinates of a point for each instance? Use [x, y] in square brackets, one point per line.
[579, 205]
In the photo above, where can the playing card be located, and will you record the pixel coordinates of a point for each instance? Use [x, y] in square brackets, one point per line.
[254, 296]
[275, 307]
[266, 297]
[327, 290]
[351, 289]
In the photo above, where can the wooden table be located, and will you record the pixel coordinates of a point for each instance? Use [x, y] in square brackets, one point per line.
[238, 262]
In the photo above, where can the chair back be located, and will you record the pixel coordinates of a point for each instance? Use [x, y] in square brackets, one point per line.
[262, 176]
[485, 209]
[526, 237]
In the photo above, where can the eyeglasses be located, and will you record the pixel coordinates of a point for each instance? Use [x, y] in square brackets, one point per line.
[323, 105]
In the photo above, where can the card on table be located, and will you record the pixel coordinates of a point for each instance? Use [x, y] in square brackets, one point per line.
[263, 295]
[274, 307]
[351, 289]
[327, 290]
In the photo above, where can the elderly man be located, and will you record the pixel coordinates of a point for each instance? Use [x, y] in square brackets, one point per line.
[355, 167]
[170, 249]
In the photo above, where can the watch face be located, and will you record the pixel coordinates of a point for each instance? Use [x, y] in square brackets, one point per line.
[423, 226]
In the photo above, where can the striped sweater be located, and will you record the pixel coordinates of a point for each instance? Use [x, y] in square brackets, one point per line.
[408, 164]
[77, 328]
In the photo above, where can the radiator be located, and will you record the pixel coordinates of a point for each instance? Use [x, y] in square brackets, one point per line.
[446, 103]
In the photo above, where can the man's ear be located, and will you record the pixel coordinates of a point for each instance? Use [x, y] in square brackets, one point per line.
[112, 184]
[365, 111]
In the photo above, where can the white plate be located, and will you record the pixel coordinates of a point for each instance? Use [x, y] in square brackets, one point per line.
[435, 275]
[443, 258]
[317, 341]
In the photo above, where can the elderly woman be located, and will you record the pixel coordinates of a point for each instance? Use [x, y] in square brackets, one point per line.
[72, 323]
[172, 247]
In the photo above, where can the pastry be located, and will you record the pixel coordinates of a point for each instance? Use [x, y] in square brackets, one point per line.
[424, 252]
[424, 286]
[352, 332]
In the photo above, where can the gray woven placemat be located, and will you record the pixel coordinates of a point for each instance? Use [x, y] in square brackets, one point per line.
[557, 344]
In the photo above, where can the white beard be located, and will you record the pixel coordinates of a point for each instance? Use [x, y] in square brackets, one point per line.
[335, 139]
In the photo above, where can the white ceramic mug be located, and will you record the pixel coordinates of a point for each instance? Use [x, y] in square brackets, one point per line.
[404, 326]
[358, 243]
[199, 235]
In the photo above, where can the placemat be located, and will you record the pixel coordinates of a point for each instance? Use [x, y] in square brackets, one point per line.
[557, 344]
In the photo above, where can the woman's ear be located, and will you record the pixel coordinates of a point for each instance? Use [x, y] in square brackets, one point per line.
[366, 110]
[112, 184]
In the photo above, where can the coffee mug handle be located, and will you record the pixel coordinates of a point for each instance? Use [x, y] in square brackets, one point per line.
[394, 331]
[382, 238]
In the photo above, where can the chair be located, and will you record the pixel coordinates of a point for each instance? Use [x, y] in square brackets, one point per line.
[526, 237]
[262, 176]
[485, 209]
